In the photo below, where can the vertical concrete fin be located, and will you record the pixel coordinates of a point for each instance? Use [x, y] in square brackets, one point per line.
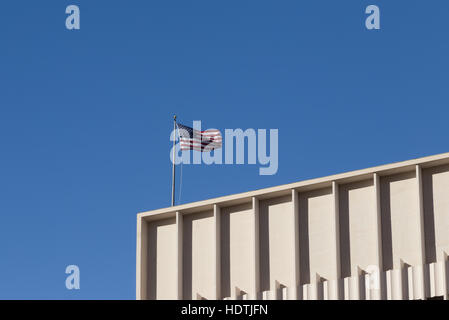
[446, 277]
[305, 292]
[377, 203]
[354, 288]
[437, 278]
[179, 234]
[141, 259]
[312, 291]
[295, 208]
[398, 284]
[217, 231]
[346, 286]
[423, 286]
[337, 228]
[256, 279]
[380, 292]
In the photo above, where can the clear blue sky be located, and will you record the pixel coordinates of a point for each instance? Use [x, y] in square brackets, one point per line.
[85, 115]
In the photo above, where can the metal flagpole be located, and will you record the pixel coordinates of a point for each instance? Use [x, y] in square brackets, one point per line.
[173, 161]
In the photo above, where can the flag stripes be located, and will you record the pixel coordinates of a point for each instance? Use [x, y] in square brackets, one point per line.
[203, 141]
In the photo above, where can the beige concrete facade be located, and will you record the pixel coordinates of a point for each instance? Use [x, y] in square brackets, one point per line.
[378, 233]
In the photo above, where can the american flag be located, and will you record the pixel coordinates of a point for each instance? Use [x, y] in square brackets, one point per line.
[191, 139]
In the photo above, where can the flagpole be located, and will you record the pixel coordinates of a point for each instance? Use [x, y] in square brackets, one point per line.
[173, 161]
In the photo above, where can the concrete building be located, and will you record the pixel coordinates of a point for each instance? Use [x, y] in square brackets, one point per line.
[379, 233]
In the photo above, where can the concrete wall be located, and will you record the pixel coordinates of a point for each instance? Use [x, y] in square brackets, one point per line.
[198, 242]
[277, 242]
[379, 233]
[318, 242]
[358, 227]
[162, 283]
[436, 212]
[237, 250]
